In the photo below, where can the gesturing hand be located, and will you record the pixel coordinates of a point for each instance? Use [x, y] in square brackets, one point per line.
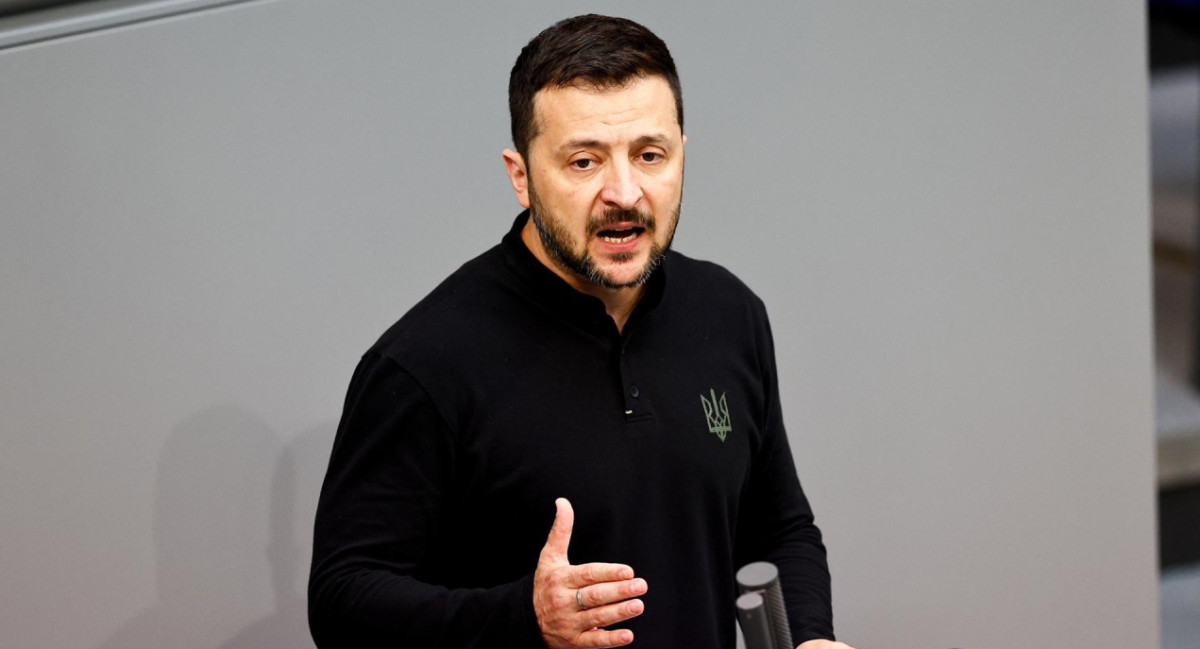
[573, 602]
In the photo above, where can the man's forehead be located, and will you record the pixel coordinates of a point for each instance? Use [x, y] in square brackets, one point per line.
[642, 100]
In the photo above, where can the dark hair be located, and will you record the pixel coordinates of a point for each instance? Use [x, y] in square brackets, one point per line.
[598, 51]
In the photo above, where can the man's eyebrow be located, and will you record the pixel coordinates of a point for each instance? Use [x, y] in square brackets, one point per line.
[587, 143]
[657, 139]
[571, 145]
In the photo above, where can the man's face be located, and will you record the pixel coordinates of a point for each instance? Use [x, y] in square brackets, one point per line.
[604, 180]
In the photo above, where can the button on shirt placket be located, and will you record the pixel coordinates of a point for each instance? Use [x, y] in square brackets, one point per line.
[638, 411]
[629, 390]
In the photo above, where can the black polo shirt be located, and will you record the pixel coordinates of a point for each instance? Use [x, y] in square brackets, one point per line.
[504, 389]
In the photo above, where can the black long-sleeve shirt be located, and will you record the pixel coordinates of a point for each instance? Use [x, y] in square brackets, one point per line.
[505, 389]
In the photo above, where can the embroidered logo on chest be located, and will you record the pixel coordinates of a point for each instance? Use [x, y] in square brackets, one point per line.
[716, 411]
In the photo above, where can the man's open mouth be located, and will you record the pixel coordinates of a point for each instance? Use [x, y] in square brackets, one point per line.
[620, 235]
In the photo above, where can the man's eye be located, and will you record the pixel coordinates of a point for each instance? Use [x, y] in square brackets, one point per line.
[651, 156]
[582, 163]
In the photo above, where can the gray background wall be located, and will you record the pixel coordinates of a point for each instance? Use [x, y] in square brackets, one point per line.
[205, 220]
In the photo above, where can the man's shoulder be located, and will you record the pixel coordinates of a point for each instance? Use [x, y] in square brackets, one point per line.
[703, 269]
[455, 310]
[697, 279]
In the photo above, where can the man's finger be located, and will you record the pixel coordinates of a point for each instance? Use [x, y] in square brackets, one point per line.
[607, 593]
[586, 574]
[602, 638]
[560, 532]
[611, 614]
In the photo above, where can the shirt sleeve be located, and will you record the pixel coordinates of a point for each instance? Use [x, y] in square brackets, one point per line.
[777, 523]
[377, 523]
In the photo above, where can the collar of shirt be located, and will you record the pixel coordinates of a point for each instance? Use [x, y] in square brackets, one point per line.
[548, 289]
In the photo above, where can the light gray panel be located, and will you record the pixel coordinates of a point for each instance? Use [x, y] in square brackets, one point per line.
[56, 20]
[207, 218]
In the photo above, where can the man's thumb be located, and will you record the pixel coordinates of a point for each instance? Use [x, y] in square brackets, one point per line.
[560, 531]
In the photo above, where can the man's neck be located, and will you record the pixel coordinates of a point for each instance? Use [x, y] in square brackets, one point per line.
[618, 303]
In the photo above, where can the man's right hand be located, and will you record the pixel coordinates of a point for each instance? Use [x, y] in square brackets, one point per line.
[603, 588]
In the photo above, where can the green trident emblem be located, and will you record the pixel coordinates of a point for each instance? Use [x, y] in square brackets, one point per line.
[716, 412]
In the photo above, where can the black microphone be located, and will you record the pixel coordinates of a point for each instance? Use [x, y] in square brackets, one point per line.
[760, 609]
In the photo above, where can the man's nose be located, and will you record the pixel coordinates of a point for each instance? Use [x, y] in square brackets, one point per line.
[622, 188]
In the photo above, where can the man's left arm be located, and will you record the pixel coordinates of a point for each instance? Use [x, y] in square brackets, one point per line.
[776, 522]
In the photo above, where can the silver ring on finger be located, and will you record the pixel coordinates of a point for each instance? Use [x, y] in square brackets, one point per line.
[579, 599]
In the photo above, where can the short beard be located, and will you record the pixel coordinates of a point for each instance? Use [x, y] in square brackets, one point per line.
[557, 243]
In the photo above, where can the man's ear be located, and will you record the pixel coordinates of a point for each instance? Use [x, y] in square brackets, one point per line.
[518, 175]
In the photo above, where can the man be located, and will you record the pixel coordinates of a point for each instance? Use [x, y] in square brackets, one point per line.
[578, 366]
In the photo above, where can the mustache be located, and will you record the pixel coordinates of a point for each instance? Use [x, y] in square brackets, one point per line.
[616, 215]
